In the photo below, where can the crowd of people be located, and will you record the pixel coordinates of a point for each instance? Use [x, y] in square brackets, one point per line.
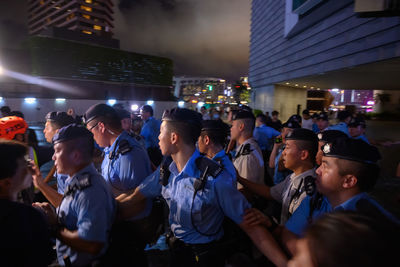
[191, 189]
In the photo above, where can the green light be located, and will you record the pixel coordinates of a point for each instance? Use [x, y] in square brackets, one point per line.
[210, 87]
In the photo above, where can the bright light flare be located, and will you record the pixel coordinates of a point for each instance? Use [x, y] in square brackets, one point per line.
[181, 104]
[111, 102]
[150, 102]
[60, 100]
[30, 100]
[134, 107]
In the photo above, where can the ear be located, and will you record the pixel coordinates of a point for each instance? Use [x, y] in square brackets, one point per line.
[102, 127]
[304, 154]
[206, 140]
[241, 126]
[174, 138]
[349, 181]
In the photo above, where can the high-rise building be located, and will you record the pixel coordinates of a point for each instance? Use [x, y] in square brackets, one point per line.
[91, 17]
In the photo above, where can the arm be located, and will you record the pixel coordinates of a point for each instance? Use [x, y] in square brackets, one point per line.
[273, 155]
[258, 189]
[265, 243]
[131, 205]
[72, 239]
[50, 193]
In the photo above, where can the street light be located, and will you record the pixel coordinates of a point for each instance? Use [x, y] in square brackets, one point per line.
[1, 70]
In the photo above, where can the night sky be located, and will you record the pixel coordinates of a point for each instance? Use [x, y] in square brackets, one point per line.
[202, 37]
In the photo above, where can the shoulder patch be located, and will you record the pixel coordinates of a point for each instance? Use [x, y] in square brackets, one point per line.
[124, 147]
[214, 169]
[246, 149]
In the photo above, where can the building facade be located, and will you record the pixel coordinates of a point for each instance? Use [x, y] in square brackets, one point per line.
[300, 45]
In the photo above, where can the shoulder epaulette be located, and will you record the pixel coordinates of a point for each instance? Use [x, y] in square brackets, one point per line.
[79, 184]
[214, 169]
[246, 149]
[124, 147]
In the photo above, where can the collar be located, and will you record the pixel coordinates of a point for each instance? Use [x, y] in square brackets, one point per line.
[149, 119]
[220, 154]
[190, 169]
[350, 204]
[248, 141]
[122, 135]
[88, 169]
[295, 180]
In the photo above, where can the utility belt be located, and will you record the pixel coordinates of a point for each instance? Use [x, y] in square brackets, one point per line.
[175, 243]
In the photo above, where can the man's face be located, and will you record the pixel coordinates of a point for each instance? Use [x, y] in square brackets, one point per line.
[22, 178]
[306, 116]
[201, 144]
[322, 124]
[235, 131]
[258, 122]
[302, 256]
[320, 154]
[291, 155]
[63, 158]
[328, 180]
[356, 131]
[49, 131]
[126, 124]
[93, 127]
[165, 140]
[145, 115]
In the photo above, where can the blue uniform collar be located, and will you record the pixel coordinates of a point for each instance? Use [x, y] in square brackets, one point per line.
[350, 204]
[88, 169]
[121, 136]
[190, 169]
[149, 119]
[220, 154]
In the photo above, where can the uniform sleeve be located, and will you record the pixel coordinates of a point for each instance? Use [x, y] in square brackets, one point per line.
[231, 201]
[95, 211]
[134, 168]
[278, 190]
[247, 167]
[151, 186]
[275, 133]
[299, 220]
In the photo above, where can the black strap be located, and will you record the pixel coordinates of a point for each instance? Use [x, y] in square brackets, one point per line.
[80, 183]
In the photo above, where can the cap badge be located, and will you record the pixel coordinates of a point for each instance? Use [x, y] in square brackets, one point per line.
[327, 149]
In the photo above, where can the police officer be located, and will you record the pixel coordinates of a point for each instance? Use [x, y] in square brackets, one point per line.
[349, 169]
[248, 159]
[150, 132]
[344, 118]
[324, 137]
[357, 129]
[212, 141]
[198, 195]
[54, 122]
[322, 121]
[299, 157]
[125, 162]
[83, 220]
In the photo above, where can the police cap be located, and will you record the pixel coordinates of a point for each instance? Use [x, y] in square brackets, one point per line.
[123, 114]
[99, 110]
[60, 118]
[323, 116]
[215, 126]
[352, 149]
[243, 114]
[302, 134]
[296, 118]
[357, 122]
[343, 114]
[291, 124]
[329, 136]
[70, 132]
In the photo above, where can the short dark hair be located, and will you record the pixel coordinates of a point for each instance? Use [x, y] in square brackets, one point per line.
[349, 238]
[85, 145]
[366, 174]
[275, 113]
[219, 134]
[310, 146]
[263, 118]
[148, 108]
[10, 152]
[110, 120]
[17, 113]
[5, 109]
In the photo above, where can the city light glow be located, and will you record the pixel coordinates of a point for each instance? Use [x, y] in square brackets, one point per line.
[371, 102]
[150, 102]
[181, 104]
[134, 107]
[111, 102]
[60, 100]
[30, 100]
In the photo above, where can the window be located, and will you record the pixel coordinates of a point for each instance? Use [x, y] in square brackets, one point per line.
[86, 16]
[97, 27]
[89, 9]
[87, 32]
[88, 1]
[302, 6]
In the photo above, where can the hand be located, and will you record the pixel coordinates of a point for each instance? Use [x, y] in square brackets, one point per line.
[254, 217]
[36, 175]
[48, 210]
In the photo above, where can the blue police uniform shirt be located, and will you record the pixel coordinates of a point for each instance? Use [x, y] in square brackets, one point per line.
[218, 198]
[340, 127]
[90, 211]
[125, 172]
[363, 138]
[299, 220]
[150, 131]
[264, 136]
[61, 182]
[315, 128]
[226, 164]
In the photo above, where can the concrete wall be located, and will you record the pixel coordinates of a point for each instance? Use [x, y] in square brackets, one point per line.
[36, 112]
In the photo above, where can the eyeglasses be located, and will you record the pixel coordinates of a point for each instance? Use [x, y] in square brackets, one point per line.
[91, 128]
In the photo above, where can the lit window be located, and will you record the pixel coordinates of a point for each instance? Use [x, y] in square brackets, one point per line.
[89, 9]
[97, 27]
[88, 1]
[87, 32]
[86, 16]
[42, 2]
